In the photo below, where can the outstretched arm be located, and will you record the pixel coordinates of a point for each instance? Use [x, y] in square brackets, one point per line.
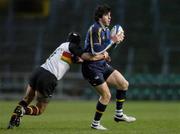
[91, 57]
[80, 55]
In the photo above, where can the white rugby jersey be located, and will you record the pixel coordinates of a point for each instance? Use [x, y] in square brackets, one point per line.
[59, 61]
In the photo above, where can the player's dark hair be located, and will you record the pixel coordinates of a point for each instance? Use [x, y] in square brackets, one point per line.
[74, 37]
[100, 11]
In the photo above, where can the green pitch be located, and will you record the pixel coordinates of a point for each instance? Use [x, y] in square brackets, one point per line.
[74, 117]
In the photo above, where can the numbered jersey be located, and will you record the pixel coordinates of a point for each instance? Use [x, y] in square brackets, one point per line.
[59, 61]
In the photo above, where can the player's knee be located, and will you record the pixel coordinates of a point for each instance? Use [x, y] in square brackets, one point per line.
[125, 85]
[106, 97]
[40, 111]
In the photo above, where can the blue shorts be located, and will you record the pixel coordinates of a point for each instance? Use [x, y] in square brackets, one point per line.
[96, 73]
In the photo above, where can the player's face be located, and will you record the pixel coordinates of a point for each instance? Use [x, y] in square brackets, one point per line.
[106, 19]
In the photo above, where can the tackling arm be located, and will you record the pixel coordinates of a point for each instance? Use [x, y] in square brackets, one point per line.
[80, 55]
[91, 57]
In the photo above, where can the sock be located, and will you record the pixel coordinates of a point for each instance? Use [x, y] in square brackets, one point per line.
[32, 110]
[100, 108]
[120, 98]
[23, 103]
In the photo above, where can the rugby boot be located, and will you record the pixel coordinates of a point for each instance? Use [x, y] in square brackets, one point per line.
[96, 125]
[124, 117]
[16, 117]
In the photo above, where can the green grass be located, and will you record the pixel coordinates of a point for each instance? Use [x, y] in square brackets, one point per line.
[74, 117]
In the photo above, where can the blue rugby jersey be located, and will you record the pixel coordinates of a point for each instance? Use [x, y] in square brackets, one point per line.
[97, 39]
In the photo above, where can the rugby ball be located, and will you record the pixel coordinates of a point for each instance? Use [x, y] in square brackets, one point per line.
[117, 29]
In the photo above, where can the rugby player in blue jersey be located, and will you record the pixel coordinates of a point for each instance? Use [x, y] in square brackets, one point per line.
[99, 73]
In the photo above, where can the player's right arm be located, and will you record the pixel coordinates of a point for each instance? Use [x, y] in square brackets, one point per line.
[78, 52]
[91, 57]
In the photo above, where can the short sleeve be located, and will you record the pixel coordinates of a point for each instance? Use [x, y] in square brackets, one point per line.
[75, 49]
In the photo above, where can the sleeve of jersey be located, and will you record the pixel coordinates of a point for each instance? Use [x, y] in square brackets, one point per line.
[98, 45]
[75, 49]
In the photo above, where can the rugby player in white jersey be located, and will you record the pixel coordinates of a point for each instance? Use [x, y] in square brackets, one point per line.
[44, 79]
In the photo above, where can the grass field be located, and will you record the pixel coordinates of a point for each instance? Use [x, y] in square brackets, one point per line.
[74, 117]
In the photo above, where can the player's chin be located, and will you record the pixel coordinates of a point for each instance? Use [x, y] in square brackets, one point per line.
[108, 23]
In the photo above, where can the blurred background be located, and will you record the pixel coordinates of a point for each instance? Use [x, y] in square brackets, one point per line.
[149, 57]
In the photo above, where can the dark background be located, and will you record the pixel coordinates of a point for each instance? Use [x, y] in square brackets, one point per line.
[149, 57]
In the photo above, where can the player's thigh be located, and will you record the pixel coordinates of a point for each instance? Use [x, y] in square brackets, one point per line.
[29, 95]
[117, 79]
